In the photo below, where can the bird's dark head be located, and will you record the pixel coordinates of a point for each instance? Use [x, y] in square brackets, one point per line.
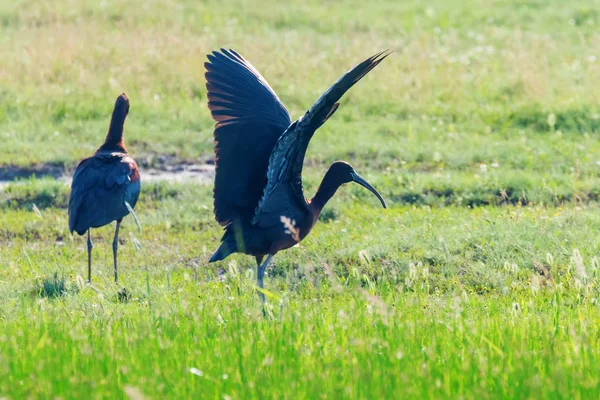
[114, 139]
[122, 105]
[342, 172]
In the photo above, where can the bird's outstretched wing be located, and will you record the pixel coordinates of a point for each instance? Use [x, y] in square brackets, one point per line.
[250, 118]
[95, 182]
[284, 172]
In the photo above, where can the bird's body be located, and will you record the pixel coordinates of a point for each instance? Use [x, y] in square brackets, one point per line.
[259, 152]
[104, 184]
[274, 233]
[244, 237]
[101, 186]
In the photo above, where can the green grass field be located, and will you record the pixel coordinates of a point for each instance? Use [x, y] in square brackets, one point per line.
[481, 280]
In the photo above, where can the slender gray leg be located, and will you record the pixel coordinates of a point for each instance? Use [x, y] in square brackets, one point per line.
[258, 264]
[260, 276]
[90, 245]
[115, 248]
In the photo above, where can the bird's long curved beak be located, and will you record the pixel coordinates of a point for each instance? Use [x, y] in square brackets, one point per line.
[361, 181]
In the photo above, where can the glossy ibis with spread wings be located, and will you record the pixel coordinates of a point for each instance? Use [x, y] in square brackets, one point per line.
[259, 152]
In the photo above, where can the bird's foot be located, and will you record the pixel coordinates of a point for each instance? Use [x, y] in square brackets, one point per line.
[267, 311]
[124, 295]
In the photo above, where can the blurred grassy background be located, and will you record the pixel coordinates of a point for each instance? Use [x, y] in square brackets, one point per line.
[470, 82]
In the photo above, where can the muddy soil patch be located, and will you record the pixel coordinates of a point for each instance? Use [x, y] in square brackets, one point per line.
[193, 173]
[11, 173]
[151, 172]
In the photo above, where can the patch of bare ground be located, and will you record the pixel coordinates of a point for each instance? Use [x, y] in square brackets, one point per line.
[152, 169]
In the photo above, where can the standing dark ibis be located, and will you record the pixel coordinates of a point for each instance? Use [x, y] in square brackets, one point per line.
[259, 152]
[104, 185]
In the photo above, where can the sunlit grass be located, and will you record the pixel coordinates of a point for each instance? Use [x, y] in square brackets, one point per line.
[413, 300]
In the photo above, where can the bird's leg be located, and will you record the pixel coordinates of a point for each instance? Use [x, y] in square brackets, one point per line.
[260, 276]
[90, 245]
[259, 260]
[258, 264]
[115, 248]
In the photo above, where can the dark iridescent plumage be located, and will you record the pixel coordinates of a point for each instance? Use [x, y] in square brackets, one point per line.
[258, 193]
[103, 183]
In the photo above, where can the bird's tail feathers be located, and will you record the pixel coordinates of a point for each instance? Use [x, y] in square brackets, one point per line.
[222, 252]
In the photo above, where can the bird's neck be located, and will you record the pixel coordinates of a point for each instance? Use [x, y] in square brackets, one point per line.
[329, 185]
[114, 139]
